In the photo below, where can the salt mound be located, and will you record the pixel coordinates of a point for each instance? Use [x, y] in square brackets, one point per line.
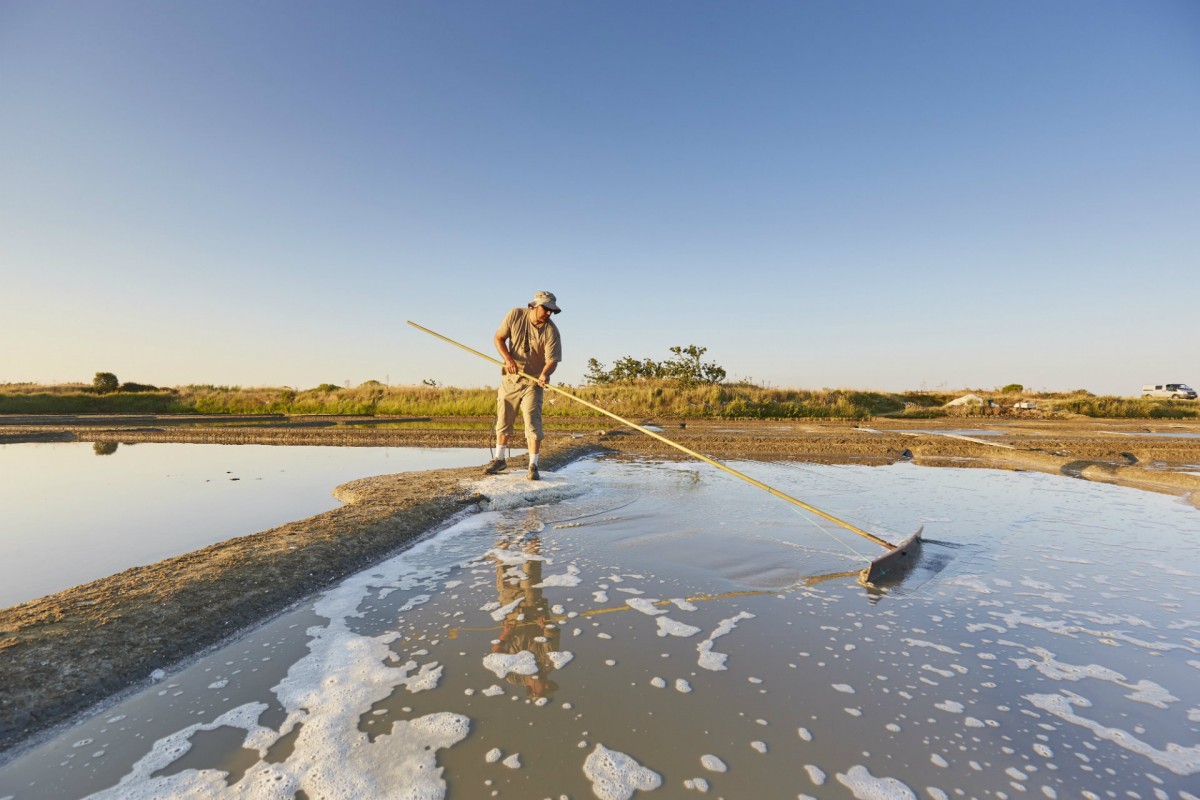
[512, 490]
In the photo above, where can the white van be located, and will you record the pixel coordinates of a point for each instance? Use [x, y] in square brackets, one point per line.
[1176, 391]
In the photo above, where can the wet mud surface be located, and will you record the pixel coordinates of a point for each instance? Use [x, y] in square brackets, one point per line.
[63, 653]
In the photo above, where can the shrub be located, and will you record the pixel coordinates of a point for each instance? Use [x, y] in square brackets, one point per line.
[685, 369]
[105, 383]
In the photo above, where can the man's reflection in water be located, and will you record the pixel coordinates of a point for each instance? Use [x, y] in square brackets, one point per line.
[528, 626]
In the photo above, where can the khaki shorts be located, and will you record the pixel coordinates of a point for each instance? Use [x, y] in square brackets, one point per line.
[519, 394]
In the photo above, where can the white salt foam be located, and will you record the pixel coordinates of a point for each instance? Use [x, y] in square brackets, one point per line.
[522, 663]
[616, 776]
[324, 697]
[645, 605]
[566, 580]
[1177, 758]
[670, 627]
[711, 660]
[504, 611]
[560, 658]
[866, 786]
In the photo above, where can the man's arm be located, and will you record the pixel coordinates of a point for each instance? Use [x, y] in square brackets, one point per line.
[510, 365]
[547, 371]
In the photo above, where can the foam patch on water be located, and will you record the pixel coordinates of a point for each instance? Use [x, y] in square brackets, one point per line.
[616, 776]
[671, 627]
[1144, 691]
[522, 663]
[503, 611]
[865, 786]
[560, 658]
[1177, 758]
[709, 658]
[645, 605]
[567, 580]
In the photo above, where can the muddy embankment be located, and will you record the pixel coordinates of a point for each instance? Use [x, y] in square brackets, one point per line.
[62, 653]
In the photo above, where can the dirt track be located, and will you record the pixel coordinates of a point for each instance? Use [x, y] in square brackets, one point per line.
[62, 653]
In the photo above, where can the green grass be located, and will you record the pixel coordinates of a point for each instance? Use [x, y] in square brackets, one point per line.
[640, 400]
[1109, 407]
[87, 403]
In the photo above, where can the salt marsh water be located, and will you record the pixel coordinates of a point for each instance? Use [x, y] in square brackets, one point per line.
[74, 512]
[644, 629]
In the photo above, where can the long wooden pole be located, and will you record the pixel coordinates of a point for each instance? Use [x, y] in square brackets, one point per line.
[676, 445]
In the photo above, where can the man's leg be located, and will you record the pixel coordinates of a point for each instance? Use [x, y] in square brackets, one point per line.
[531, 410]
[506, 415]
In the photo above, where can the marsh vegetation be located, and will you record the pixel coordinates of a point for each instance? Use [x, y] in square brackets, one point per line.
[637, 397]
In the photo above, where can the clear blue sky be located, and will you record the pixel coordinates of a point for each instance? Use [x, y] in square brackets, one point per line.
[878, 195]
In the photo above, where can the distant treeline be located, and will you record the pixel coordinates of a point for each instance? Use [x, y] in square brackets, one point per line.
[645, 398]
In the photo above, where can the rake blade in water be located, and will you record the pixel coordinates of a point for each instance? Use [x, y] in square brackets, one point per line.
[895, 562]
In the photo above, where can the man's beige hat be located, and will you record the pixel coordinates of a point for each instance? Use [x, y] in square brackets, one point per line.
[546, 299]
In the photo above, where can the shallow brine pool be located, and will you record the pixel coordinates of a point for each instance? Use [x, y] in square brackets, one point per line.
[666, 630]
[77, 511]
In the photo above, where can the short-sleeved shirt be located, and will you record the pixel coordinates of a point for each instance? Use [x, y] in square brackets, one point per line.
[531, 347]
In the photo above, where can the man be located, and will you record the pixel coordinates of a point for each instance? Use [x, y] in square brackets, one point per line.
[528, 342]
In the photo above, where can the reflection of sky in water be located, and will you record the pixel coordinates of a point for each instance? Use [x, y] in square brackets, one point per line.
[653, 627]
[75, 512]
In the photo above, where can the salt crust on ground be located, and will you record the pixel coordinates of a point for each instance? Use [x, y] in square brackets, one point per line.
[512, 490]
